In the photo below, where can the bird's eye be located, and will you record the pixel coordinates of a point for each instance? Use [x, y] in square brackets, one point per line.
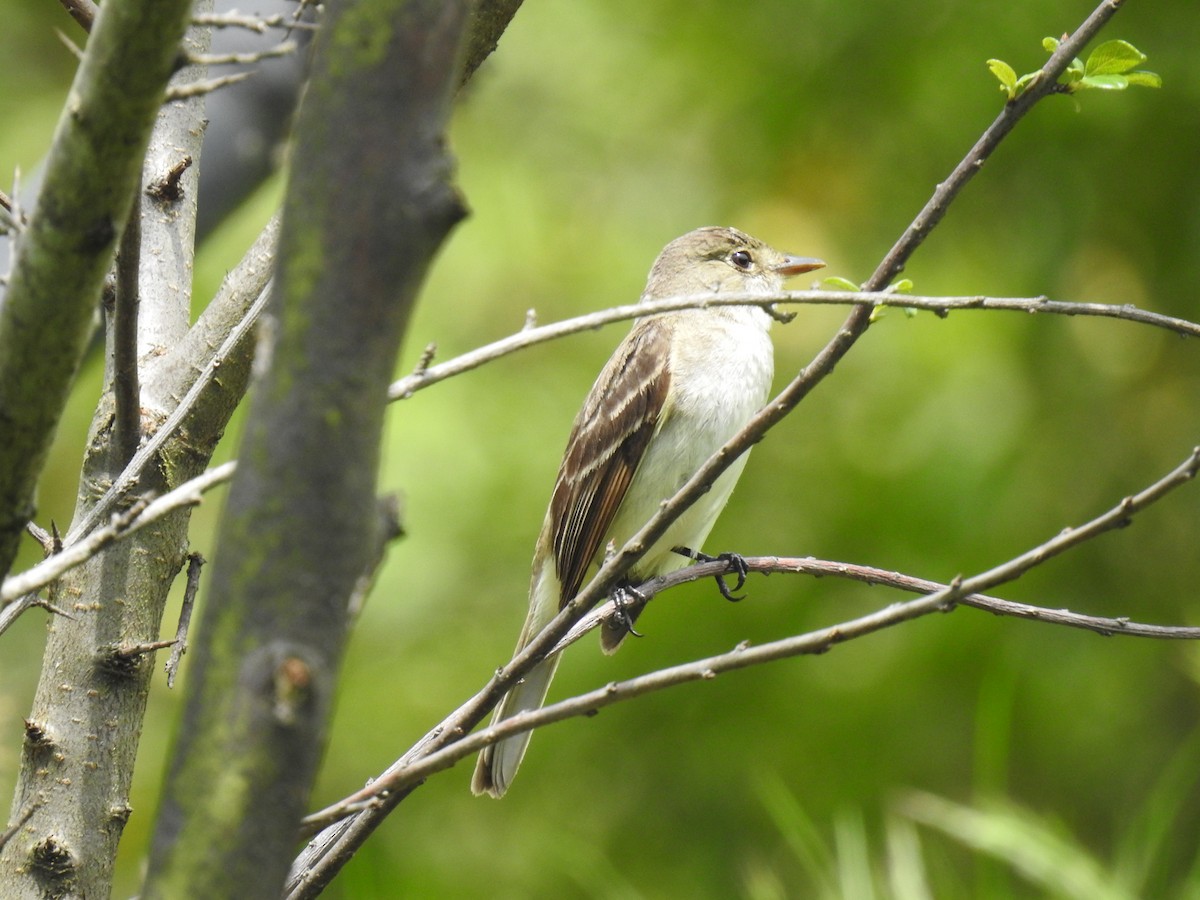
[741, 258]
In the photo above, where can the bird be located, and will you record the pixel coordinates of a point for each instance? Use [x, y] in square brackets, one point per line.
[675, 390]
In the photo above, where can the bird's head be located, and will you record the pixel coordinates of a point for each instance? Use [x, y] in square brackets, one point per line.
[722, 260]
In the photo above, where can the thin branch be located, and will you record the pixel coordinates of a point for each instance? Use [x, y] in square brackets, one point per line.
[73, 48]
[123, 341]
[425, 375]
[82, 11]
[195, 562]
[285, 48]
[257, 24]
[13, 611]
[16, 826]
[939, 598]
[123, 524]
[204, 86]
[823, 568]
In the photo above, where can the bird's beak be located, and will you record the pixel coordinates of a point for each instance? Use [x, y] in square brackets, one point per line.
[798, 265]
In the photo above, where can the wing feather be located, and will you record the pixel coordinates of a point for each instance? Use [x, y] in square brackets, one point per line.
[607, 442]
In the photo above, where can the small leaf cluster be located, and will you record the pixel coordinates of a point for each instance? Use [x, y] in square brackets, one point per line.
[900, 286]
[1110, 67]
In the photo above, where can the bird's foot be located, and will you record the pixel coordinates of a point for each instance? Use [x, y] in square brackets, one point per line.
[627, 602]
[737, 565]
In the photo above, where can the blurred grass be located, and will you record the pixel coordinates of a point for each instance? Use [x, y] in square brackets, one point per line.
[597, 133]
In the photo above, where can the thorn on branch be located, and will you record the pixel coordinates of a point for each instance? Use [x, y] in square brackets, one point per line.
[168, 189]
[50, 607]
[125, 659]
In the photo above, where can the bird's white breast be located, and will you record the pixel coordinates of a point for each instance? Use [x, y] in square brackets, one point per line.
[718, 382]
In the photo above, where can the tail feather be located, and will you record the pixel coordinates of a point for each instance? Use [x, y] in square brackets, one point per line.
[498, 762]
[617, 627]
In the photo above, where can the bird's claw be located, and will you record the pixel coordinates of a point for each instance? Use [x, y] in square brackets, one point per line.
[737, 565]
[621, 599]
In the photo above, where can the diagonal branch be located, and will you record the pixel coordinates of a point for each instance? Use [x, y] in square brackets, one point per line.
[120, 525]
[330, 850]
[402, 777]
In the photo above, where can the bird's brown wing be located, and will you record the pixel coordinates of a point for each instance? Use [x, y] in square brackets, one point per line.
[607, 442]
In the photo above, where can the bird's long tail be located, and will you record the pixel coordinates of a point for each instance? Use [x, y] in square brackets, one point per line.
[498, 763]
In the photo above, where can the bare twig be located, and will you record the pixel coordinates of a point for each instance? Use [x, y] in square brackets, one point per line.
[13, 611]
[19, 823]
[257, 24]
[123, 343]
[528, 336]
[823, 568]
[82, 11]
[195, 562]
[285, 48]
[939, 598]
[73, 48]
[187, 494]
[204, 86]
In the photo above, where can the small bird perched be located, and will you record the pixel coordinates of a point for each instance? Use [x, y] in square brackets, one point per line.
[677, 388]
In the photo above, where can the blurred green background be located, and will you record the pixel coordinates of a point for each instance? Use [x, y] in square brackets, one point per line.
[594, 135]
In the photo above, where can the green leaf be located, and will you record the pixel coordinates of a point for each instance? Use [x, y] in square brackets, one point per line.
[1005, 74]
[1075, 71]
[1145, 79]
[837, 283]
[901, 286]
[1049, 44]
[1104, 82]
[1114, 58]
